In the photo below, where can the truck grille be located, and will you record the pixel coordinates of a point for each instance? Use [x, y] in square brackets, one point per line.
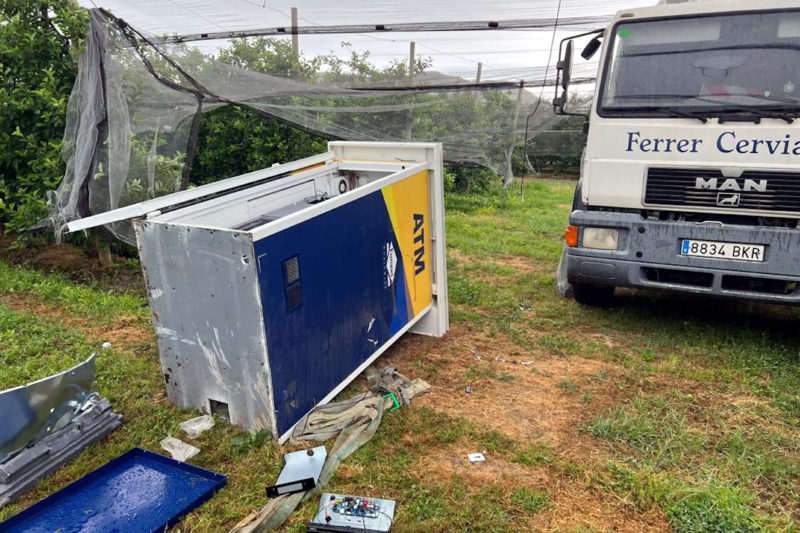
[673, 186]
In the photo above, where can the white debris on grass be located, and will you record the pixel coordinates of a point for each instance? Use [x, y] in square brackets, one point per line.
[194, 427]
[178, 449]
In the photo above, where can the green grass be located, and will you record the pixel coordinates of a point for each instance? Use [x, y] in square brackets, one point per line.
[530, 501]
[701, 462]
[101, 305]
[696, 408]
[32, 349]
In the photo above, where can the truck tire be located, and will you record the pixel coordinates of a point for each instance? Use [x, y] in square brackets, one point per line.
[593, 295]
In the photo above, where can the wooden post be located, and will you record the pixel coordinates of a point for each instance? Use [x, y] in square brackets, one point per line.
[512, 138]
[410, 115]
[295, 39]
[478, 75]
[411, 59]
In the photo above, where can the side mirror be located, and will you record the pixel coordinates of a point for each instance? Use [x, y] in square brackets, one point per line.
[565, 66]
[591, 48]
[560, 104]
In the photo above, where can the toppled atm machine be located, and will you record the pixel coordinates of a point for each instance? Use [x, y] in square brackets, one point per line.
[271, 291]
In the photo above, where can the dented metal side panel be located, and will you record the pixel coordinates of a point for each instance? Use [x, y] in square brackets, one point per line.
[31, 412]
[204, 297]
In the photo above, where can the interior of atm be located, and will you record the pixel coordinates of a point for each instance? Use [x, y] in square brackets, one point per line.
[256, 205]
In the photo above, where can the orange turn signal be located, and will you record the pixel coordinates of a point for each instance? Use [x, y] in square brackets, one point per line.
[571, 236]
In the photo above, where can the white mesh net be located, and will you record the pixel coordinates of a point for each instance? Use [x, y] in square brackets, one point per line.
[136, 107]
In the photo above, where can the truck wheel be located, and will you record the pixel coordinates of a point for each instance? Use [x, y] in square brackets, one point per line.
[593, 295]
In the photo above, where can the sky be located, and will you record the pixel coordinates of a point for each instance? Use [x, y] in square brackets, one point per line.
[505, 55]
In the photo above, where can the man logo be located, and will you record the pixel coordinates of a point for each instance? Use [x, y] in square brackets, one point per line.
[727, 199]
[730, 184]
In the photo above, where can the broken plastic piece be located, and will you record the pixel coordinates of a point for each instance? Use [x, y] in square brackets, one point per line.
[476, 457]
[179, 450]
[194, 427]
[300, 473]
[396, 405]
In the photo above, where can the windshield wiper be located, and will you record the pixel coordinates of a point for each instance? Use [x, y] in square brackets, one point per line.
[726, 111]
[779, 110]
[702, 116]
[739, 113]
[673, 112]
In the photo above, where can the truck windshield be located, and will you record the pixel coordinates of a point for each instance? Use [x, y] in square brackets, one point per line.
[747, 62]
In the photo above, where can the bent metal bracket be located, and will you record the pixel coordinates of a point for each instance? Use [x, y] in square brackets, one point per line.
[33, 411]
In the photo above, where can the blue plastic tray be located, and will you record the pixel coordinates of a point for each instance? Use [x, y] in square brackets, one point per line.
[138, 492]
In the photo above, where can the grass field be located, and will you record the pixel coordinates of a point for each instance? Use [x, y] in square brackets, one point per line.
[664, 413]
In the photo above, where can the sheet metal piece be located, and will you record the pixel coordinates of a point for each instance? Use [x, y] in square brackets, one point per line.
[138, 492]
[31, 412]
[22, 471]
[300, 473]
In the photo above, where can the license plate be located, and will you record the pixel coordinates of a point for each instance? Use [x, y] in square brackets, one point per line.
[723, 250]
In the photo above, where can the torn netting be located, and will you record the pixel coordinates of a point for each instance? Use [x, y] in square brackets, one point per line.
[136, 106]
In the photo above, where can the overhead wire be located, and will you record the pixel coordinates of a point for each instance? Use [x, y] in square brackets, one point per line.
[366, 35]
[193, 12]
[539, 100]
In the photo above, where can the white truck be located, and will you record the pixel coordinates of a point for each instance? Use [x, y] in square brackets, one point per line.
[690, 179]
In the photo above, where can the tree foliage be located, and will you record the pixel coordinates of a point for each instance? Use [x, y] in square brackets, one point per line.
[39, 44]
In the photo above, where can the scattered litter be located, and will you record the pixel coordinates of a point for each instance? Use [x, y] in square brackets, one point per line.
[476, 457]
[300, 473]
[500, 358]
[179, 450]
[469, 389]
[526, 363]
[194, 427]
[475, 353]
[524, 307]
[106, 345]
[338, 512]
[138, 492]
[352, 422]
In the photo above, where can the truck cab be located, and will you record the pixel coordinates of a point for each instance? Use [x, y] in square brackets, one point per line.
[690, 179]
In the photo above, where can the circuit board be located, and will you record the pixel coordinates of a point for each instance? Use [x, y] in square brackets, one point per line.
[356, 507]
[346, 513]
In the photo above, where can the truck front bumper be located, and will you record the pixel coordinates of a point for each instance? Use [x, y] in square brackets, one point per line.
[648, 256]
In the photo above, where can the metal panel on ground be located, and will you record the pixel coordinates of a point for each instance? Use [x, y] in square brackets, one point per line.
[138, 492]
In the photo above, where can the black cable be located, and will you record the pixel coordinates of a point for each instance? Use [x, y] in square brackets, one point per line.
[541, 93]
[391, 522]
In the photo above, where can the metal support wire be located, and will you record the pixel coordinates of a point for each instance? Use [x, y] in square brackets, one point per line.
[484, 25]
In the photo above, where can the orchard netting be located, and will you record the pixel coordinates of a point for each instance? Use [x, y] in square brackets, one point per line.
[139, 100]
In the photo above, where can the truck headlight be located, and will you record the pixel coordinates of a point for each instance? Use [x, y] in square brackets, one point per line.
[600, 238]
